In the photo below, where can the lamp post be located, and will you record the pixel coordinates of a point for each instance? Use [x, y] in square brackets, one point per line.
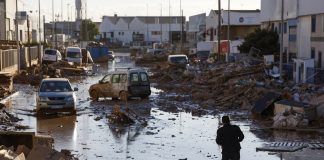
[281, 38]
[228, 30]
[17, 41]
[219, 30]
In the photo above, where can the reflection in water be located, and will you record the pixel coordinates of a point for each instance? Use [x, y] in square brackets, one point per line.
[62, 129]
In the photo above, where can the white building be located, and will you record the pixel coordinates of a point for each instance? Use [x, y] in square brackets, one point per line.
[141, 29]
[196, 29]
[303, 27]
[7, 21]
[242, 22]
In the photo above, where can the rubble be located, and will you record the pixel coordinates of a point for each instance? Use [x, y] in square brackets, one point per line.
[6, 84]
[7, 120]
[27, 146]
[119, 118]
[238, 85]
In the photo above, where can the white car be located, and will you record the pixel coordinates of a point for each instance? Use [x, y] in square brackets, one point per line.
[55, 95]
[51, 55]
[74, 54]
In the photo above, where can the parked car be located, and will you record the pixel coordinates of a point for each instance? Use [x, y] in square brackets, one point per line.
[178, 60]
[55, 95]
[122, 84]
[74, 54]
[51, 55]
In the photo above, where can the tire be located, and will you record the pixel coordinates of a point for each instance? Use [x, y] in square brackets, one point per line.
[94, 95]
[123, 96]
[73, 112]
[40, 113]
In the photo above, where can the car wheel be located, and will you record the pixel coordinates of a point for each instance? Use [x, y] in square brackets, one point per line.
[39, 113]
[73, 112]
[123, 96]
[94, 95]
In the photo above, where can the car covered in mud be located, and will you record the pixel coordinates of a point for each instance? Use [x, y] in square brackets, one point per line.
[122, 84]
[55, 95]
[180, 60]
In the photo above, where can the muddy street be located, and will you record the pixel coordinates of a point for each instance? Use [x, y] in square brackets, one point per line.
[172, 131]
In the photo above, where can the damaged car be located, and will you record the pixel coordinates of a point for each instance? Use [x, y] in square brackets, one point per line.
[55, 95]
[122, 84]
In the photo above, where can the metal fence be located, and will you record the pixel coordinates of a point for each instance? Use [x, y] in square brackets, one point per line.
[8, 59]
[315, 75]
[34, 53]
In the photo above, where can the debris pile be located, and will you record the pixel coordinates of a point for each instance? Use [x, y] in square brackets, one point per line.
[35, 74]
[7, 120]
[6, 84]
[227, 85]
[31, 149]
[119, 118]
[289, 119]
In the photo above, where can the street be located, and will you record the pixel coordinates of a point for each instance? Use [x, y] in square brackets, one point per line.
[169, 134]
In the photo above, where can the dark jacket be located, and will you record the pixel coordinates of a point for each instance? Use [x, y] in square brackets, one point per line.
[229, 137]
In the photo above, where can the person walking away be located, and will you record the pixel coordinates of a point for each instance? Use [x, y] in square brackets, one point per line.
[229, 137]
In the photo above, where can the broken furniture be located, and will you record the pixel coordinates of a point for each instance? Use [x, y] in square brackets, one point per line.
[282, 147]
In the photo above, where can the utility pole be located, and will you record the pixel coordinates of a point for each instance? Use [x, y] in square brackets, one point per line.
[40, 34]
[28, 36]
[170, 33]
[53, 23]
[68, 16]
[147, 26]
[219, 30]
[57, 17]
[281, 38]
[161, 25]
[181, 27]
[44, 32]
[228, 31]
[39, 22]
[17, 37]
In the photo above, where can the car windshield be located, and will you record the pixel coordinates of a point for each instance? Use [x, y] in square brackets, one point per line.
[73, 54]
[50, 52]
[179, 60]
[56, 86]
[203, 53]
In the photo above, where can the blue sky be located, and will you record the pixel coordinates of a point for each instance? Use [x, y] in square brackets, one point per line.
[98, 8]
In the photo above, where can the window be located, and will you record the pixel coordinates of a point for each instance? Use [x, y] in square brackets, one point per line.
[319, 62]
[55, 86]
[144, 77]
[285, 27]
[313, 52]
[156, 32]
[115, 78]
[106, 79]
[134, 77]
[313, 23]
[123, 78]
[279, 27]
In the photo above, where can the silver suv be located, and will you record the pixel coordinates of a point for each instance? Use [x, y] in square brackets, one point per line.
[55, 95]
[122, 84]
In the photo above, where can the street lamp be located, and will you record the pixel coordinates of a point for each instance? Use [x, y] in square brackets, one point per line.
[17, 41]
[281, 38]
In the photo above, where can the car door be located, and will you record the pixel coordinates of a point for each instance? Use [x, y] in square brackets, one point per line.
[115, 85]
[106, 86]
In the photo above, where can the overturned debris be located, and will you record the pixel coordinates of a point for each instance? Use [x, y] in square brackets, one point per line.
[119, 118]
[28, 146]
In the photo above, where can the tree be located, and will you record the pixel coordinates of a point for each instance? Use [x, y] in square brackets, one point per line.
[263, 39]
[88, 30]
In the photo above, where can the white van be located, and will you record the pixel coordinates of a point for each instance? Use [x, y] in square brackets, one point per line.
[51, 55]
[73, 54]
